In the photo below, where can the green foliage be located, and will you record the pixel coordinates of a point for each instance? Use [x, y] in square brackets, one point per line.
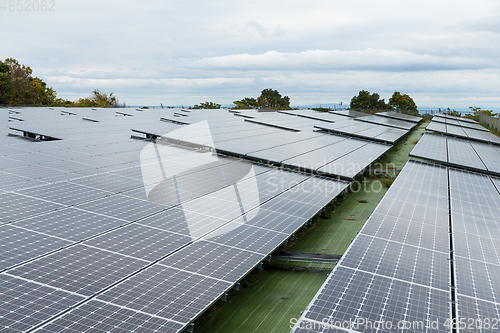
[365, 101]
[451, 112]
[268, 99]
[99, 99]
[4, 68]
[207, 105]
[17, 70]
[272, 99]
[321, 109]
[476, 111]
[19, 88]
[6, 88]
[246, 103]
[402, 102]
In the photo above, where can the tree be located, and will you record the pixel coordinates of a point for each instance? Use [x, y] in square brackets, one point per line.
[4, 68]
[476, 111]
[365, 101]
[99, 99]
[6, 88]
[402, 102]
[23, 88]
[271, 99]
[451, 112]
[207, 105]
[17, 70]
[246, 103]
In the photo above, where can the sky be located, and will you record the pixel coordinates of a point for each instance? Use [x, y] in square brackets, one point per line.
[442, 53]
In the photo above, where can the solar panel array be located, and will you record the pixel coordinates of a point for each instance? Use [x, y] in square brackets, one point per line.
[286, 139]
[427, 258]
[463, 132]
[365, 130]
[390, 122]
[445, 116]
[102, 232]
[476, 156]
[397, 268]
[460, 123]
[350, 113]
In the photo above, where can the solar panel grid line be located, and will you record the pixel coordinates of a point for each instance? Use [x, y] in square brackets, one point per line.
[7, 274]
[215, 260]
[151, 284]
[32, 203]
[479, 315]
[100, 316]
[376, 298]
[393, 276]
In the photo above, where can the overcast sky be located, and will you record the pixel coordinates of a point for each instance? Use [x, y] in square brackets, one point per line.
[442, 53]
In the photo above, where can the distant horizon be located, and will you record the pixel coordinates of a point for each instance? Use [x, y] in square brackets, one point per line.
[464, 110]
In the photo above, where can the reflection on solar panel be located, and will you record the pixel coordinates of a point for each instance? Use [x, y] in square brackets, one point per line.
[102, 232]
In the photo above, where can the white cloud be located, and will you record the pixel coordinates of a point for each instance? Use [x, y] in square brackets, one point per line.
[446, 53]
[368, 59]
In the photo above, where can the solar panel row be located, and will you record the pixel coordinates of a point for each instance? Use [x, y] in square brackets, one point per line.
[101, 232]
[463, 132]
[460, 123]
[476, 156]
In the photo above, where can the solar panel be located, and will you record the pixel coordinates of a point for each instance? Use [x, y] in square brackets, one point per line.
[109, 182]
[461, 153]
[158, 289]
[400, 116]
[363, 298]
[137, 264]
[463, 132]
[122, 207]
[15, 206]
[19, 245]
[386, 121]
[439, 115]
[79, 269]
[64, 193]
[71, 224]
[247, 237]
[140, 242]
[457, 152]
[397, 268]
[97, 316]
[350, 113]
[214, 260]
[432, 147]
[25, 304]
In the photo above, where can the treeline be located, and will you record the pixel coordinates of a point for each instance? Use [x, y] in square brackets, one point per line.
[269, 99]
[399, 102]
[18, 87]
